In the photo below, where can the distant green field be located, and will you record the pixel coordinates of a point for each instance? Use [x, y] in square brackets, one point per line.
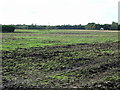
[41, 38]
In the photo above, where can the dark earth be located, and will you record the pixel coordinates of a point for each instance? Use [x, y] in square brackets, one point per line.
[73, 66]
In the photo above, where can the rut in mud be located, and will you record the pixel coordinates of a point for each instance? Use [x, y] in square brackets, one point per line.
[71, 66]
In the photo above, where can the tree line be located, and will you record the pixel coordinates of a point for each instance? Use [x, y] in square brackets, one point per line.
[93, 26]
[89, 26]
[49, 27]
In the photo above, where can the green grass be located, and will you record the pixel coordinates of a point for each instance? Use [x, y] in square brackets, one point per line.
[41, 38]
[113, 78]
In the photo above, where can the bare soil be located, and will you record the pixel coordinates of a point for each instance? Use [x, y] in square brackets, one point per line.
[72, 66]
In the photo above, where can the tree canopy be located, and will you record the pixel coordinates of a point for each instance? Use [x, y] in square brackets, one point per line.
[8, 28]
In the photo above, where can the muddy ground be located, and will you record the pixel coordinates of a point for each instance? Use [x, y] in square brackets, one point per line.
[72, 66]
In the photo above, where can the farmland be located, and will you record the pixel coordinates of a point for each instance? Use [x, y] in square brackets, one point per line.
[40, 38]
[60, 59]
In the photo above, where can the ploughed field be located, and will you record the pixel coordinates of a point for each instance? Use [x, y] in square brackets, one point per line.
[61, 59]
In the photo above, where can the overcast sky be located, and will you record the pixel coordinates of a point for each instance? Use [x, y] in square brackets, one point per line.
[58, 12]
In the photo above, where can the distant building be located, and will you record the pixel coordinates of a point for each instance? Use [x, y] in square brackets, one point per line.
[101, 28]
